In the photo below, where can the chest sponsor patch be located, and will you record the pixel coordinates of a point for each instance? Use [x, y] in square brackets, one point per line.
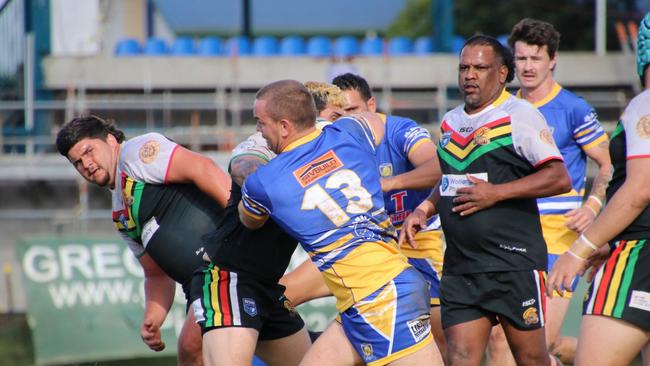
[640, 300]
[149, 151]
[317, 168]
[450, 183]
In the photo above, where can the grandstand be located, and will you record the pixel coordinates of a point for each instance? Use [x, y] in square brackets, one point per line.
[196, 89]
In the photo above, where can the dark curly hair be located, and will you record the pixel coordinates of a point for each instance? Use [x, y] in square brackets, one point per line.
[535, 32]
[83, 127]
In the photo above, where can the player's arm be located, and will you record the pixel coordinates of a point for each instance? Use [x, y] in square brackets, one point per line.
[626, 205]
[190, 167]
[551, 178]
[249, 219]
[304, 283]
[417, 220]
[580, 218]
[159, 292]
[244, 165]
[425, 174]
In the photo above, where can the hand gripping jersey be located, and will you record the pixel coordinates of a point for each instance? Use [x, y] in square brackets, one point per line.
[324, 191]
[402, 137]
[575, 129]
[264, 253]
[631, 140]
[505, 141]
[165, 220]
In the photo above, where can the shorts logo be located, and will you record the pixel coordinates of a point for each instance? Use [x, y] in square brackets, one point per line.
[366, 348]
[643, 127]
[149, 151]
[317, 168]
[249, 306]
[529, 302]
[199, 314]
[445, 138]
[530, 316]
[481, 136]
[640, 300]
[546, 136]
[386, 169]
[419, 328]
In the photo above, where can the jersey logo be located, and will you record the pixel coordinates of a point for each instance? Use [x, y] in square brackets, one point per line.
[249, 306]
[386, 169]
[546, 136]
[317, 168]
[366, 348]
[149, 151]
[530, 316]
[445, 138]
[481, 136]
[643, 127]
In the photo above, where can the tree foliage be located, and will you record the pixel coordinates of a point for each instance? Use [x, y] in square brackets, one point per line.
[574, 19]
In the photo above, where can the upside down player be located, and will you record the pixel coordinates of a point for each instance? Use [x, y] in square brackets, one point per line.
[323, 189]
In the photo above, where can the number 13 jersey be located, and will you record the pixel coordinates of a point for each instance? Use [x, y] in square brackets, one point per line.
[324, 190]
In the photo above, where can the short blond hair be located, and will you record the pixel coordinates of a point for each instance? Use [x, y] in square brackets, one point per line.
[325, 94]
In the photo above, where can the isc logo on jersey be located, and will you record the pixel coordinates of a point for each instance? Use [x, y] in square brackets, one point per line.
[317, 168]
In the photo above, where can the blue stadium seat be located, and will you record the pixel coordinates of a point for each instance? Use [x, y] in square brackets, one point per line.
[210, 46]
[239, 45]
[155, 47]
[372, 46]
[265, 46]
[346, 46]
[292, 46]
[319, 46]
[423, 46]
[183, 46]
[503, 39]
[457, 43]
[127, 47]
[400, 46]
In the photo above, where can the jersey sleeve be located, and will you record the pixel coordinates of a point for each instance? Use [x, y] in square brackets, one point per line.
[359, 128]
[254, 145]
[587, 131]
[254, 198]
[408, 135]
[146, 158]
[636, 123]
[532, 137]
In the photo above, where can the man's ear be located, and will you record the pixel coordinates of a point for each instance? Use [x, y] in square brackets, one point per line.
[285, 127]
[372, 104]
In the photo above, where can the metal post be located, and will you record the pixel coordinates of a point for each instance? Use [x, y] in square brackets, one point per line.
[601, 31]
[28, 77]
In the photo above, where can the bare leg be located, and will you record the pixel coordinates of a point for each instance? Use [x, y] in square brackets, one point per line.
[304, 283]
[528, 346]
[284, 351]
[609, 341]
[560, 346]
[189, 343]
[498, 350]
[438, 332]
[466, 342]
[332, 348]
[229, 346]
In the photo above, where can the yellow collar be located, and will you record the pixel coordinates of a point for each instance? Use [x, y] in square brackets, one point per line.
[502, 98]
[303, 140]
[555, 90]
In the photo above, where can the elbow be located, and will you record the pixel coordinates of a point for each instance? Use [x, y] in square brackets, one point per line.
[563, 182]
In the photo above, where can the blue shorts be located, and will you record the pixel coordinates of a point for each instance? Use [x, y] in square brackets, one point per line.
[569, 292]
[392, 322]
[428, 271]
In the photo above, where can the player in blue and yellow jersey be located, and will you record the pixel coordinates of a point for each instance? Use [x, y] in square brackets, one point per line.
[616, 322]
[409, 168]
[579, 136]
[497, 155]
[323, 189]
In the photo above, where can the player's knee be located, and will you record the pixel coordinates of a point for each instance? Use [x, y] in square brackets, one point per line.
[533, 358]
[498, 343]
[189, 352]
[459, 352]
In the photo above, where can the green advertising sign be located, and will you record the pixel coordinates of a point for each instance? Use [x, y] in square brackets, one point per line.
[85, 300]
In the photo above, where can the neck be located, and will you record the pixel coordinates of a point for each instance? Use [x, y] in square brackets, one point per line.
[297, 135]
[116, 154]
[538, 93]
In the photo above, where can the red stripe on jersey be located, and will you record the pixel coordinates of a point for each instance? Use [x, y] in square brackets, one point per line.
[548, 159]
[465, 140]
[169, 163]
[637, 157]
[224, 297]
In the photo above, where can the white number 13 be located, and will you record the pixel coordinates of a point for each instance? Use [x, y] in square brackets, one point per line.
[359, 199]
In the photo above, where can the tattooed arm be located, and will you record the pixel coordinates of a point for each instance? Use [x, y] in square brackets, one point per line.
[581, 218]
[243, 166]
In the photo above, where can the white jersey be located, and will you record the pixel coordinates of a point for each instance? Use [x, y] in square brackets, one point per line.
[144, 159]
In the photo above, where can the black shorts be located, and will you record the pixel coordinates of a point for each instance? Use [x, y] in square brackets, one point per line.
[223, 299]
[516, 296]
[621, 287]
